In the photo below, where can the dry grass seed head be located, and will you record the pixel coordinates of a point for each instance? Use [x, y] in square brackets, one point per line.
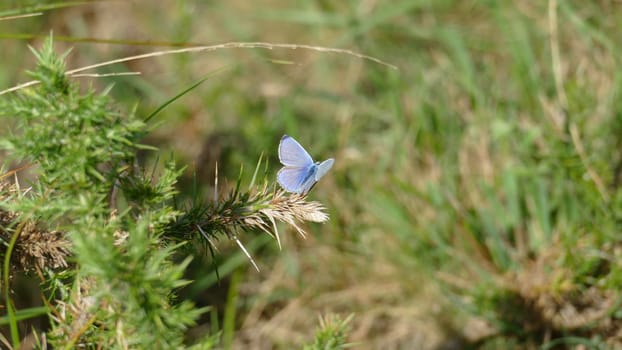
[261, 210]
[35, 247]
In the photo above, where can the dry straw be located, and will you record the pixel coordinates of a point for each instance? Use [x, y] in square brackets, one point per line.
[35, 248]
[230, 45]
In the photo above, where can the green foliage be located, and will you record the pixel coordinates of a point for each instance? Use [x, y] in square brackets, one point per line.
[71, 136]
[123, 289]
[122, 223]
[516, 211]
[331, 335]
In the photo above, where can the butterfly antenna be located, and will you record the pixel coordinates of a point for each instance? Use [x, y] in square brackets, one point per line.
[247, 254]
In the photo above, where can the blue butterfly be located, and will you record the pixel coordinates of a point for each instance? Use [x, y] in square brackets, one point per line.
[300, 172]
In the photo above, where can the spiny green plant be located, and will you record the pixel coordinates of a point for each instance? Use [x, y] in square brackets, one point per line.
[331, 334]
[103, 233]
[81, 146]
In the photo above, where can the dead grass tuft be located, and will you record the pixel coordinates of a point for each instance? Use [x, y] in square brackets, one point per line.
[35, 248]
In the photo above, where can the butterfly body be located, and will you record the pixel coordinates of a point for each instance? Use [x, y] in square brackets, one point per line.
[299, 172]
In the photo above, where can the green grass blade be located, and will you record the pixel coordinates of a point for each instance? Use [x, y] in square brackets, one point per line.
[250, 186]
[12, 318]
[39, 8]
[179, 95]
[25, 314]
[228, 326]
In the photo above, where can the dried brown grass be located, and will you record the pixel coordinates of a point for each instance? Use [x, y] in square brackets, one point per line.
[36, 247]
[391, 310]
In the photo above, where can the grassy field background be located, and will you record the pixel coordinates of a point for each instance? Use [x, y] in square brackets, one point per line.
[475, 195]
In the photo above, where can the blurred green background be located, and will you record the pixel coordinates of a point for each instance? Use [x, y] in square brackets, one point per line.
[475, 195]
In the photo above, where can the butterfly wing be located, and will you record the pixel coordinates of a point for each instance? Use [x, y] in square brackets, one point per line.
[310, 179]
[296, 179]
[291, 153]
[323, 168]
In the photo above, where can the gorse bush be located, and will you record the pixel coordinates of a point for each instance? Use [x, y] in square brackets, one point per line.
[122, 277]
[102, 232]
